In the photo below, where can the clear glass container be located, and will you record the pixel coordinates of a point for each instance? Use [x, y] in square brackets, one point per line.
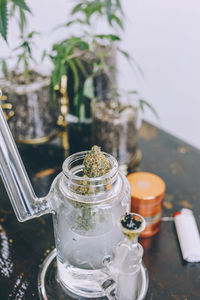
[34, 117]
[87, 226]
[86, 213]
[116, 123]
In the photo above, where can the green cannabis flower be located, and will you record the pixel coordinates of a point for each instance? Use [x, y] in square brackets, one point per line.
[95, 163]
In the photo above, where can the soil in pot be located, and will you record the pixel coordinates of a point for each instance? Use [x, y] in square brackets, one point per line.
[115, 129]
[35, 115]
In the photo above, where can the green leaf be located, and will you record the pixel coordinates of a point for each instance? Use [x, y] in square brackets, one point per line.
[80, 21]
[82, 111]
[88, 88]
[22, 20]
[3, 19]
[126, 55]
[68, 24]
[131, 58]
[44, 55]
[92, 8]
[81, 67]
[112, 68]
[108, 6]
[29, 50]
[31, 34]
[22, 4]
[20, 58]
[26, 47]
[26, 68]
[133, 92]
[58, 71]
[76, 9]
[66, 47]
[78, 100]
[118, 4]
[75, 74]
[4, 67]
[117, 20]
[12, 10]
[111, 37]
[143, 103]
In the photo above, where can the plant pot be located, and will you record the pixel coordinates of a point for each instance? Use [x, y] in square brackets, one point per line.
[116, 128]
[80, 122]
[35, 116]
[104, 79]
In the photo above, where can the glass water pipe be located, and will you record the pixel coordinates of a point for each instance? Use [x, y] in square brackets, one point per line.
[85, 224]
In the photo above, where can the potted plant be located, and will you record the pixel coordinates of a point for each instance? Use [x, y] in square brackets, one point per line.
[27, 91]
[116, 124]
[86, 59]
[89, 62]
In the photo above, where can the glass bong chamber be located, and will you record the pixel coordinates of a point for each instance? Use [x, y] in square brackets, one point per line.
[97, 255]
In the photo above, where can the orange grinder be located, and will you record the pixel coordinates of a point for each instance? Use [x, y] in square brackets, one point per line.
[147, 192]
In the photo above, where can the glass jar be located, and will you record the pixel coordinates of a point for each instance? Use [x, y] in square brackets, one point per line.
[34, 118]
[79, 117]
[86, 224]
[116, 124]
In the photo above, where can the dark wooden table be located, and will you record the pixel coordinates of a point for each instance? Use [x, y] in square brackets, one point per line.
[23, 246]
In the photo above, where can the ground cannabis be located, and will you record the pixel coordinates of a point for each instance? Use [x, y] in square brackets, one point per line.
[130, 225]
[130, 222]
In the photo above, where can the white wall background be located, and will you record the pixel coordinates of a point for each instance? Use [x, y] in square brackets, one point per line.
[164, 37]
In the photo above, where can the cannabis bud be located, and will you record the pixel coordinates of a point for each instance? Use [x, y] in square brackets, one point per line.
[95, 163]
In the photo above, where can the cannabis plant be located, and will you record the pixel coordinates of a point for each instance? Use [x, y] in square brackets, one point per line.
[76, 57]
[7, 9]
[23, 56]
[83, 57]
[88, 12]
[22, 53]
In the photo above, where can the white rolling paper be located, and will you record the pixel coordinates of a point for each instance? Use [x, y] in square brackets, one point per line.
[188, 235]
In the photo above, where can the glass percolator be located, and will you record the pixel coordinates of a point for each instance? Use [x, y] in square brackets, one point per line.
[86, 225]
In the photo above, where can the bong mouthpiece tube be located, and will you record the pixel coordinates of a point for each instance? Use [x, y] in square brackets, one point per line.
[188, 235]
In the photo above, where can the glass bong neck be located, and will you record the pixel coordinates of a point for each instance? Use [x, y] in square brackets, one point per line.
[24, 201]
